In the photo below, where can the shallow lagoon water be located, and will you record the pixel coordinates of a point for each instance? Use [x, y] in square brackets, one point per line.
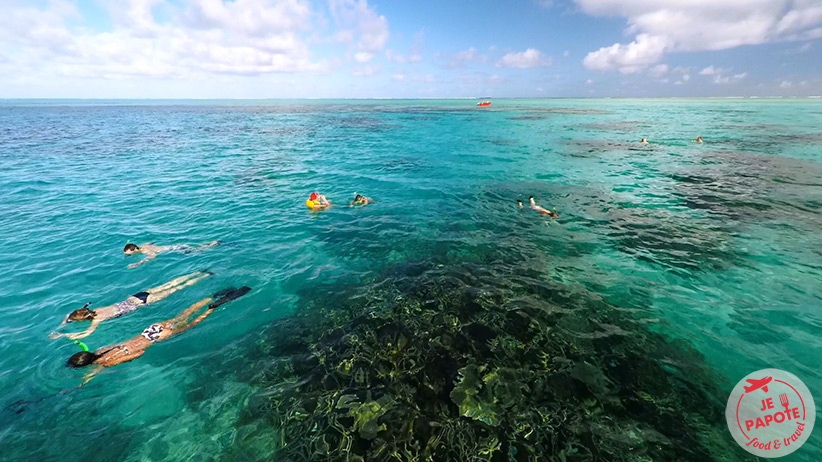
[714, 245]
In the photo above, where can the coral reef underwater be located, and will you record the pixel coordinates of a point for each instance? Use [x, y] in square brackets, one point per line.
[475, 361]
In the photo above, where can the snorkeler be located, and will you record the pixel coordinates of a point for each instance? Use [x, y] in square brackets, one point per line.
[135, 347]
[360, 200]
[150, 250]
[537, 208]
[132, 303]
[317, 202]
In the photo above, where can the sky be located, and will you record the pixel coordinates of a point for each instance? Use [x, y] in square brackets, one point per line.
[409, 49]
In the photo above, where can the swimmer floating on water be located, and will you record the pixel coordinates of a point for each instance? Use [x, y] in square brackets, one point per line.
[537, 208]
[360, 200]
[135, 347]
[643, 141]
[317, 202]
[133, 303]
[698, 139]
[150, 250]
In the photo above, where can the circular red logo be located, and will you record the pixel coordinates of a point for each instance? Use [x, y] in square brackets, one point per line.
[770, 413]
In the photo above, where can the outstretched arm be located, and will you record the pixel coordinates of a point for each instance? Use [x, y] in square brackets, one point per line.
[54, 335]
[91, 374]
[78, 335]
[148, 258]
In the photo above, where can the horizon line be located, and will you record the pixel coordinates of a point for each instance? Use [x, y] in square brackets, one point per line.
[403, 98]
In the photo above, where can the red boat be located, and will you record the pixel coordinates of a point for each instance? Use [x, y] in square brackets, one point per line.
[484, 103]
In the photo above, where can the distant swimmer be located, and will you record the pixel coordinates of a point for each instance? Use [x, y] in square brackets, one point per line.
[698, 139]
[360, 200]
[151, 251]
[132, 303]
[643, 141]
[135, 347]
[317, 202]
[519, 203]
[539, 209]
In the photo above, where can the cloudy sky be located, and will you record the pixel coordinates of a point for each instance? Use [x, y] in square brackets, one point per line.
[423, 48]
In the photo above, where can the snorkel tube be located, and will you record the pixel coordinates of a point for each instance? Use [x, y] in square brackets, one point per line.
[81, 345]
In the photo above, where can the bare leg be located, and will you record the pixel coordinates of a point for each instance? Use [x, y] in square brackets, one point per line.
[159, 295]
[210, 244]
[182, 318]
[174, 282]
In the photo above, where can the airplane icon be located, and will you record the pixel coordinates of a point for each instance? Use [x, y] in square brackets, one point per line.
[757, 384]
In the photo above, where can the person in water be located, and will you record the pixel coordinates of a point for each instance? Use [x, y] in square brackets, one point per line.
[133, 348]
[360, 200]
[537, 208]
[643, 141]
[698, 139]
[150, 250]
[317, 202]
[132, 303]
[519, 203]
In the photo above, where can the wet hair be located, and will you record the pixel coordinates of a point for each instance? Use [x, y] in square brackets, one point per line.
[530, 197]
[81, 359]
[358, 197]
[132, 247]
[82, 314]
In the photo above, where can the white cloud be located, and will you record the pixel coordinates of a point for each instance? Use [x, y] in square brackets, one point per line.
[398, 77]
[698, 25]
[366, 71]
[785, 84]
[363, 57]
[524, 59]
[589, 82]
[464, 57]
[470, 55]
[721, 79]
[202, 37]
[627, 59]
[566, 53]
[711, 70]
[361, 20]
[658, 71]
[686, 77]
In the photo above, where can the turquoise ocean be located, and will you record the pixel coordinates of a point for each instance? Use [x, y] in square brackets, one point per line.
[694, 264]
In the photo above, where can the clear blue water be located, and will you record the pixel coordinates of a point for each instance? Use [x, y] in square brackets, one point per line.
[715, 243]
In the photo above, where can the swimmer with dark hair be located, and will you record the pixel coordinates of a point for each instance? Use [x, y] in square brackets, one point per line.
[133, 348]
[131, 304]
[360, 200]
[643, 141]
[542, 211]
[698, 139]
[150, 250]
